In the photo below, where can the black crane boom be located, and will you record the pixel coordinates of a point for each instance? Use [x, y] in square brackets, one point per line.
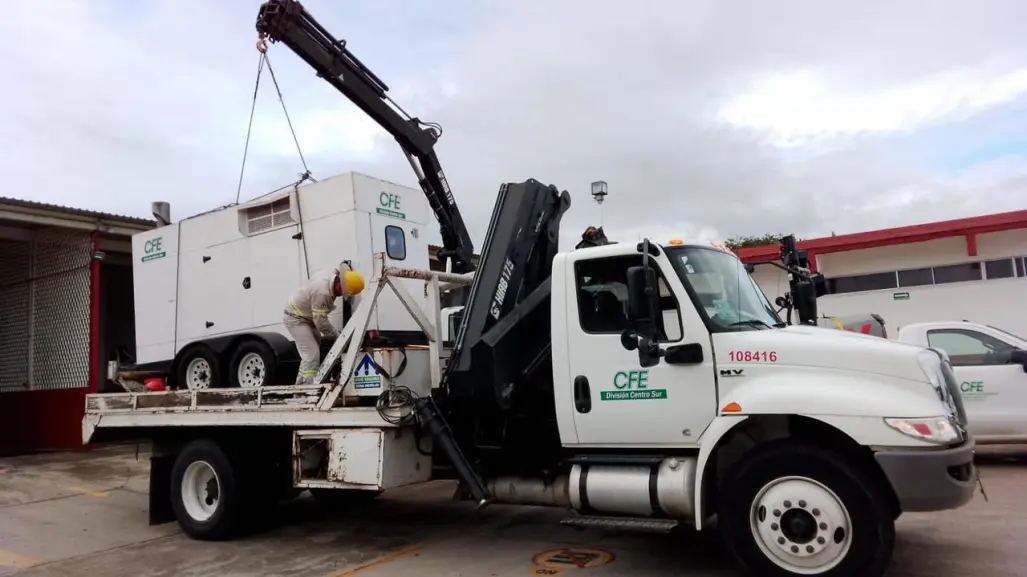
[286, 21]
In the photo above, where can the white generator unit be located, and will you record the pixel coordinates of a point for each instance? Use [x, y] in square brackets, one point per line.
[211, 281]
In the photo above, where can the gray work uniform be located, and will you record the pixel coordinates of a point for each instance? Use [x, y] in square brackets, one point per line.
[306, 319]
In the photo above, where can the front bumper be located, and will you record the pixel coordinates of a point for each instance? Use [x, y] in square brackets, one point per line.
[931, 480]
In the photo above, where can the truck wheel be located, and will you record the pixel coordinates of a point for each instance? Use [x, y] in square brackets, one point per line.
[789, 509]
[198, 368]
[253, 365]
[206, 493]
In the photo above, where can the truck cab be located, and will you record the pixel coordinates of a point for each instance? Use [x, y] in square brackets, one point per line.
[724, 351]
[694, 358]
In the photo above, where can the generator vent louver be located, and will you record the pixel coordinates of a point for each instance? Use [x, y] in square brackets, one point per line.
[268, 216]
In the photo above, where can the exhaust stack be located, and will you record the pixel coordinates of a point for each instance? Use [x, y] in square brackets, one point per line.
[161, 212]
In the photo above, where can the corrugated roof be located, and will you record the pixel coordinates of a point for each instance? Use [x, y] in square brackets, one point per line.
[76, 211]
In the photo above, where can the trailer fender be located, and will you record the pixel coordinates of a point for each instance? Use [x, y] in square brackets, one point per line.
[708, 443]
[283, 348]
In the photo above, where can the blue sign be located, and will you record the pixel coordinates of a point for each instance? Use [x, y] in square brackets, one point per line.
[366, 375]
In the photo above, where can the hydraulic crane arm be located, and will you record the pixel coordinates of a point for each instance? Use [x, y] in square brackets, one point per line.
[288, 22]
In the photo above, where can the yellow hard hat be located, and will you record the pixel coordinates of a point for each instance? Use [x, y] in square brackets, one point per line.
[352, 283]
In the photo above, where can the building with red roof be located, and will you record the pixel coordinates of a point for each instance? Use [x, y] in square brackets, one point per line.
[965, 269]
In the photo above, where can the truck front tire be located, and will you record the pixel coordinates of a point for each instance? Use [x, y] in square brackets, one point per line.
[207, 492]
[789, 509]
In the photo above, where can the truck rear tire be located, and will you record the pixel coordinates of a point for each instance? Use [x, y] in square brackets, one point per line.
[207, 492]
[789, 509]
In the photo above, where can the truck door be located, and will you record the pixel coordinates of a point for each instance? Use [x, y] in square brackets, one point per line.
[617, 402]
[994, 390]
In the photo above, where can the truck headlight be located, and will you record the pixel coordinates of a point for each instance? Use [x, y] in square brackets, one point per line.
[938, 430]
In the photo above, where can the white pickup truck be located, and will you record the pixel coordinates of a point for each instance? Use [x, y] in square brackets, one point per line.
[991, 367]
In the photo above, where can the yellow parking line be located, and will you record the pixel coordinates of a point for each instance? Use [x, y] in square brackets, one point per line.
[12, 560]
[381, 561]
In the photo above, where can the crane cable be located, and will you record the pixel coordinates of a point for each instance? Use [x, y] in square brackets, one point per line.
[265, 60]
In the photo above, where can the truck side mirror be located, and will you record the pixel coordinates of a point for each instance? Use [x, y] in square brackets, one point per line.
[642, 300]
[805, 301]
[1019, 356]
[643, 304]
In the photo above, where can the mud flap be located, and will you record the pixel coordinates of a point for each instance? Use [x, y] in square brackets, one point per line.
[160, 489]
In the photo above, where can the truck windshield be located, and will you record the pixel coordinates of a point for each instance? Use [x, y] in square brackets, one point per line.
[727, 295]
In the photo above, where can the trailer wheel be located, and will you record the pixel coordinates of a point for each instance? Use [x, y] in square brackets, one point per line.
[206, 492]
[253, 365]
[789, 509]
[198, 368]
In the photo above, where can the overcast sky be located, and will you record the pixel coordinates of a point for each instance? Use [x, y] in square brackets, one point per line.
[708, 119]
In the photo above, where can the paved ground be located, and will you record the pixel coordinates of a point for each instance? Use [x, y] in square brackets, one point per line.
[85, 514]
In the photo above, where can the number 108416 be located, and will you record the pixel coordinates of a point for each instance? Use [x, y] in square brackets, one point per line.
[753, 356]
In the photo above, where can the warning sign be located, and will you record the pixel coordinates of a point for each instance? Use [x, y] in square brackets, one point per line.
[366, 375]
[573, 558]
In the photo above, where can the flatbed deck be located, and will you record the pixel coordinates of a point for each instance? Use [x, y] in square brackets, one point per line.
[292, 406]
[205, 400]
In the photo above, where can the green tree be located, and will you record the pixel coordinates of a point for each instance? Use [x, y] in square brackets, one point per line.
[735, 243]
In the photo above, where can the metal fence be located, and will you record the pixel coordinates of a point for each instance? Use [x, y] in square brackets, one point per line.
[44, 311]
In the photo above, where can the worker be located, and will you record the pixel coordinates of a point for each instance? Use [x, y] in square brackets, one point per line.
[306, 315]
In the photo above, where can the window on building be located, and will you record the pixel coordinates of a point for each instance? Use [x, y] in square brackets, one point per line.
[395, 243]
[1002, 268]
[967, 347]
[1021, 266]
[957, 273]
[863, 282]
[602, 291]
[916, 277]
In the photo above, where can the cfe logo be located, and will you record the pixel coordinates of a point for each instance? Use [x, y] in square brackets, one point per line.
[971, 387]
[638, 379]
[632, 385]
[153, 249]
[390, 205]
[973, 391]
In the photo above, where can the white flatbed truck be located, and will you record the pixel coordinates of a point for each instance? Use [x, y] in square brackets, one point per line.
[806, 443]
[642, 386]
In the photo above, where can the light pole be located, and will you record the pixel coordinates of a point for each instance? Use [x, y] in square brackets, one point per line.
[599, 193]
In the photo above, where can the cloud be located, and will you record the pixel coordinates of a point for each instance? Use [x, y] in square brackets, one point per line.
[799, 106]
[707, 118]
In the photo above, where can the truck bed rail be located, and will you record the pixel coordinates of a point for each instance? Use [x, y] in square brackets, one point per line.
[216, 400]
